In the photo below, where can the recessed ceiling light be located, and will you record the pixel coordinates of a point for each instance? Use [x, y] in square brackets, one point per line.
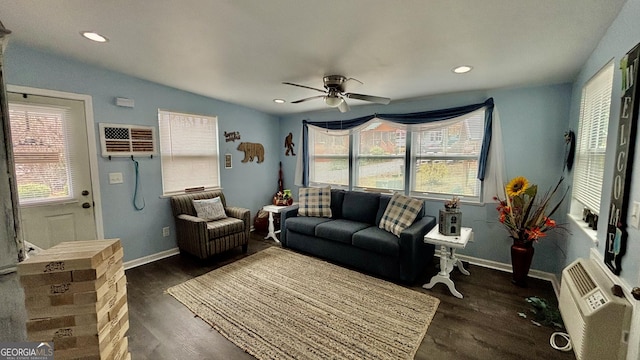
[278, 101]
[462, 69]
[94, 36]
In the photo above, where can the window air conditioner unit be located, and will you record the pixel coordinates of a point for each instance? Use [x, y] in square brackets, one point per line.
[596, 320]
[127, 140]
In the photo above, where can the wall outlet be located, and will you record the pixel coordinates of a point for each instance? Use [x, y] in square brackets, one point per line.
[165, 231]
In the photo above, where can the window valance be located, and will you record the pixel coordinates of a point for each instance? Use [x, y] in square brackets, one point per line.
[405, 119]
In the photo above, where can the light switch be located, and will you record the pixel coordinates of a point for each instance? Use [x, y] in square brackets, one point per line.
[635, 215]
[115, 178]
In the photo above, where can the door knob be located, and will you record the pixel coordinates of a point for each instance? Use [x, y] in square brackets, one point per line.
[86, 205]
[85, 192]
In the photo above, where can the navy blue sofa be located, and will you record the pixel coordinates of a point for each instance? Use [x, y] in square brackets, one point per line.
[351, 237]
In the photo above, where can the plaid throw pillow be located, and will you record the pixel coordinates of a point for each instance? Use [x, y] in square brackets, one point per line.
[315, 202]
[400, 214]
[209, 209]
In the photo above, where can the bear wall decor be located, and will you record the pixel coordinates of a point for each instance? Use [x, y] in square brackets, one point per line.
[251, 151]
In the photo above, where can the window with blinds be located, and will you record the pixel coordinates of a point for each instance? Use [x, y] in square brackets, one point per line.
[40, 138]
[188, 151]
[446, 156]
[592, 139]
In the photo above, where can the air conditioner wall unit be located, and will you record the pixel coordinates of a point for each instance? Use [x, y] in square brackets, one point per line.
[127, 140]
[596, 320]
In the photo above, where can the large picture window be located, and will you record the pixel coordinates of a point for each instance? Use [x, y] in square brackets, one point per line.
[189, 151]
[437, 159]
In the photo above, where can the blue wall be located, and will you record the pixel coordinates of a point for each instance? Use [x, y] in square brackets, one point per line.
[533, 123]
[622, 36]
[248, 185]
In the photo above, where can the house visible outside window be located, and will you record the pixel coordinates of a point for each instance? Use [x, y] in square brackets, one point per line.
[444, 157]
[591, 142]
[379, 157]
[41, 152]
[328, 158]
[188, 151]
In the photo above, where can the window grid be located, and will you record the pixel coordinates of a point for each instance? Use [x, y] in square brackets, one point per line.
[442, 160]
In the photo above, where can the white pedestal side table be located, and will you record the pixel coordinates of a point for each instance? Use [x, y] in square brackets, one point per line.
[448, 259]
[273, 209]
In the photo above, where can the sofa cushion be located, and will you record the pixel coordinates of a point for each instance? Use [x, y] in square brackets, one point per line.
[224, 227]
[384, 202]
[377, 240]
[360, 206]
[400, 213]
[209, 209]
[305, 225]
[337, 197]
[315, 202]
[339, 230]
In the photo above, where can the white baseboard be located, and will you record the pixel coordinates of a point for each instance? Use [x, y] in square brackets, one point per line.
[537, 274]
[151, 258]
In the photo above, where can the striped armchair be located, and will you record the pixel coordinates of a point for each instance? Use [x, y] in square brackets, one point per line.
[203, 239]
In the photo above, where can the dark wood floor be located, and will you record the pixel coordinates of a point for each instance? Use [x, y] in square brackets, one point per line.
[483, 325]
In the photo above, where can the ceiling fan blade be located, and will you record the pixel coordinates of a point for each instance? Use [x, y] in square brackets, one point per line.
[343, 107]
[375, 99]
[304, 86]
[307, 99]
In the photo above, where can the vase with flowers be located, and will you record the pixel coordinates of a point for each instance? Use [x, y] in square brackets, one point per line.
[527, 218]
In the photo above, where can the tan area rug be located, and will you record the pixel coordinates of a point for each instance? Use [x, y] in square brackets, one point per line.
[277, 304]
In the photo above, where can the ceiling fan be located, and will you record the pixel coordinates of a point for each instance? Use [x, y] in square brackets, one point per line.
[334, 93]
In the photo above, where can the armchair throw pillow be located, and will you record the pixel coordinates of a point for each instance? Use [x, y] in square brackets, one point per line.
[400, 214]
[315, 202]
[210, 209]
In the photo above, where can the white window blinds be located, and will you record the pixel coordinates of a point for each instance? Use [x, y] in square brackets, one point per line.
[592, 139]
[189, 151]
[41, 141]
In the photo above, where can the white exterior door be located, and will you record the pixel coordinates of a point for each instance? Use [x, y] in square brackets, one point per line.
[51, 154]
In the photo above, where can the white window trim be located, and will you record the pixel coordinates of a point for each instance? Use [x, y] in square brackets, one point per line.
[579, 202]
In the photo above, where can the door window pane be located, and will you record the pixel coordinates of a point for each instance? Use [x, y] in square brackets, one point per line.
[40, 149]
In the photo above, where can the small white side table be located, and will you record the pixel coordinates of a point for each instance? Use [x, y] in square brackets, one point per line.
[273, 209]
[448, 259]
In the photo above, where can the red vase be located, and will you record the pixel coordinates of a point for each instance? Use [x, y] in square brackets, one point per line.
[521, 255]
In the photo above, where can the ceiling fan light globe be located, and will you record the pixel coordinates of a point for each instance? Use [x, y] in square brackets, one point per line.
[333, 101]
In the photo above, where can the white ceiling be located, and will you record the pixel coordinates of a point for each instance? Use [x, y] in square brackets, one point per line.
[241, 51]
